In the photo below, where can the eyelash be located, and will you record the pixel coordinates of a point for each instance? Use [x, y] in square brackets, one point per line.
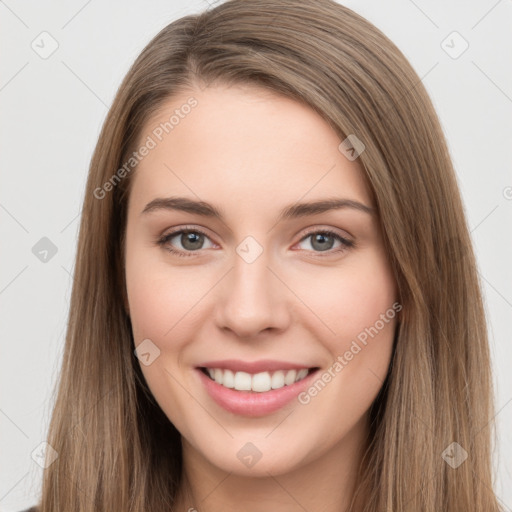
[162, 242]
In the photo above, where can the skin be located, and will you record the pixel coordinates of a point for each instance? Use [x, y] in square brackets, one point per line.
[250, 153]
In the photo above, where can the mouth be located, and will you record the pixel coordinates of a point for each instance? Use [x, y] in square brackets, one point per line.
[260, 382]
[254, 389]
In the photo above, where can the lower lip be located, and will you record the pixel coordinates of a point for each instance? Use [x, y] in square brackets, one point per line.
[250, 403]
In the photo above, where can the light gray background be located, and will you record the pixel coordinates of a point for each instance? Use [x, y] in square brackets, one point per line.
[52, 112]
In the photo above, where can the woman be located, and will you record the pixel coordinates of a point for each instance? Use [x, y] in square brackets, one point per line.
[275, 300]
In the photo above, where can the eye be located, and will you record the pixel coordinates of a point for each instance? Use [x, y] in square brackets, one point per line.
[191, 240]
[323, 241]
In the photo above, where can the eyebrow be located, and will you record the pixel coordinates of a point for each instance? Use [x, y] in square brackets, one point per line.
[289, 212]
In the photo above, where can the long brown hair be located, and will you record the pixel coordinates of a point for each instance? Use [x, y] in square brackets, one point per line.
[117, 450]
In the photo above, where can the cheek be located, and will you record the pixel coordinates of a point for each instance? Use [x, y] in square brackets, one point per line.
[159, 303]
[369, 325]
[367, 295]
[364, 319]
[149, 306]
[366, 325]
[349, 299]
[157, 295]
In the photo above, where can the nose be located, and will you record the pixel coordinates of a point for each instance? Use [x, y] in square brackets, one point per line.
[252, 299]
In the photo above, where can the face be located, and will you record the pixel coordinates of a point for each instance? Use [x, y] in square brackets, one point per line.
[292, 314]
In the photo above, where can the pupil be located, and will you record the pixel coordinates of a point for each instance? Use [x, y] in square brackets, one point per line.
[321, 238]
[191, 238]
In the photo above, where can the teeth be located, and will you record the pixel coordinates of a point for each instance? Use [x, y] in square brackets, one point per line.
[259, 382]
[228, 379]
[289, 378]
[242, 381]
[277, 380]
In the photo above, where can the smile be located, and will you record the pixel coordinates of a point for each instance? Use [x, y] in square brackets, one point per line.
[259, 382]
[254, 388]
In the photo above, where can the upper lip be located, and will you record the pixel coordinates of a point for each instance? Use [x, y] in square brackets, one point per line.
[263, 365]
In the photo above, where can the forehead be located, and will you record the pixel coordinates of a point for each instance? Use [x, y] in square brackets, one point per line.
[243, 142]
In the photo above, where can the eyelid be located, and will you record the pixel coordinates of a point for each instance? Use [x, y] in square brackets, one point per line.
[178, 229]
[303, 233]
[319, 228]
